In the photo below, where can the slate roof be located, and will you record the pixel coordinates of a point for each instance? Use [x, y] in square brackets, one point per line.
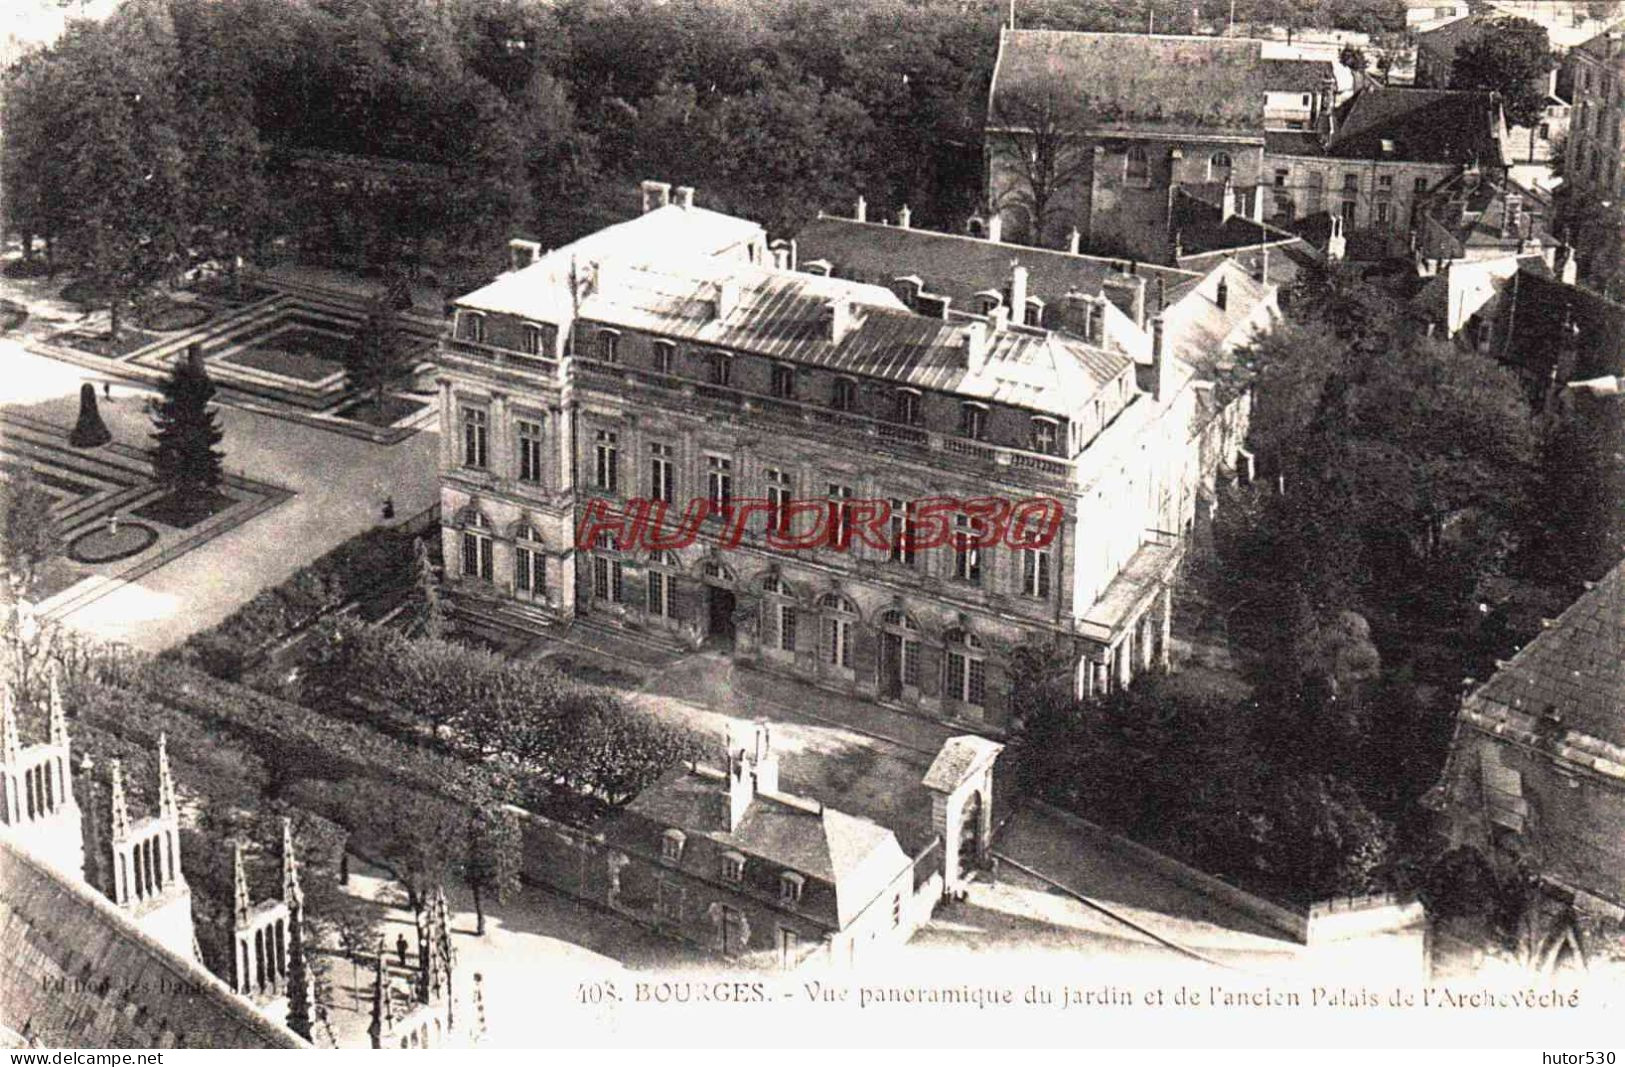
[859, 858]
[1576, 666]
[1297, 75]
[1293, 143]
[1138, 81]
[1423, 125]
[60, 942]
[1460, 216]
[1600, 47]
[648, 286]
[959, 266]
[1443, 41]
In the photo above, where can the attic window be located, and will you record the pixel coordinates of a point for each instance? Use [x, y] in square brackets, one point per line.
[790, 885]
[609, 346]
[1387, 147]
[733, 867]
[987, 301]
[671, 846]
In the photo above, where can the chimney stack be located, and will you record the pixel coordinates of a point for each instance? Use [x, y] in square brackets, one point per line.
[727, 297]
[683, 196]
[995, 228]
[861, 211]
[522, 254]
[1018, 294]
[974, 342]
[1074, 241]
[999, 319]
[1161, 364]
[655, 195]
[904, 217]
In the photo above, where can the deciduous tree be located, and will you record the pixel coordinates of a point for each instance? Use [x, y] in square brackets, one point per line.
[1512, 57]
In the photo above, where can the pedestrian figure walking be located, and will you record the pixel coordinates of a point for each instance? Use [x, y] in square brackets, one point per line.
[400, 948]
[107, 390]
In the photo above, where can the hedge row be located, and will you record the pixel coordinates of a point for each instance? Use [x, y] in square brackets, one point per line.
[381, 556]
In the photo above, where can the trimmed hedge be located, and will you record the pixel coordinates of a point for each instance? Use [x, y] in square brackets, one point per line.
[380, 556]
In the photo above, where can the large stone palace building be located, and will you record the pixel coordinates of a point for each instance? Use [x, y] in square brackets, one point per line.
[678, 357]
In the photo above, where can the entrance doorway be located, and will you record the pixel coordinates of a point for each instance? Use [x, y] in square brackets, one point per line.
[970, 835]
[891, 666]
[720, 606]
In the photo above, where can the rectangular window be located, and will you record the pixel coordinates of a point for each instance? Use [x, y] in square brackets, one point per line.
[967, 557]
[733, 867]
[1035, 572]
[838, 641]
[606, 579]
[906, 407]
[840, 515]
[844, 395]
[477, 556]
[1385, 181]
[670, 902]
[789, 948]
[609, 346]
[532, 341]
[1348, 213]
[956, 676]
[787, 628]
[471, 327]
[976, 684]
[660, 602]
[474, 437]
[721, 368]
[719, 484]
[1382, 214]
[778, 500]
[529, 571]
[911, 663]
[1420, 185]
[607, 462]
[973, 421]
[665, 357]
[662, 481]
[967, 679]
[1351, 183]
[902, 533]
[784, 381]
[1045, 434]
[530, 451]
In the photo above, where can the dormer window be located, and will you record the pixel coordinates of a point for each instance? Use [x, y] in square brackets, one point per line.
[733, 867]
[665, 357]
[721, 368]
[609, 346]
[784, 381]
[671, 846]
[790, 885]
[471, 327]
[1044, 435]
[844, 395]
[906, 407]
[1035, 311]
[988, 301]
[973, 421]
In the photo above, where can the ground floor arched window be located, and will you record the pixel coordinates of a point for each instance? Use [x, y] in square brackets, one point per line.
[781, 619]
[899, 668]
[965, 665]
[661, 581]
[529, 564]
[478, 559]
[839, 630]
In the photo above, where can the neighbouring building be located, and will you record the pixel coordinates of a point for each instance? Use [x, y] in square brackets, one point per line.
[677, 358]
[1595, 163]
[1210, 147]
[1435, 60]
[83, 969]
[1387, 150]
[1536, 771]
[725, 858]
[1475, 234]
[1424, 15]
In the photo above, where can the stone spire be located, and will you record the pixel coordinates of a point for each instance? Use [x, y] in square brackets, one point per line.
[11, 742]
[292, 894]
[120, 808]
[166, 784]
[59, 716]
[239, 880]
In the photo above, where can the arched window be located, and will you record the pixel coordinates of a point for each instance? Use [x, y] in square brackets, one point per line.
[471, 326]
[973, 420]
[665, 357]
[780, 619]
[1219, 166]
[1137, 166]
[477, 559]
[906, 406]
[609, 346]
[660, 581]
[965, 668]
[840, 623]
[899, 653]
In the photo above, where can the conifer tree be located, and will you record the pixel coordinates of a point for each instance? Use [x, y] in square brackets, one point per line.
[432, 614]
[187, 463]
[376, 356]
[299, 987]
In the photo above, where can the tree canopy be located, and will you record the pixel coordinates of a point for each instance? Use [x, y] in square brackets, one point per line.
[1512, 57]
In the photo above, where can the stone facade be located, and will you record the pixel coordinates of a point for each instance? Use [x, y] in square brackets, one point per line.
[551, 403]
